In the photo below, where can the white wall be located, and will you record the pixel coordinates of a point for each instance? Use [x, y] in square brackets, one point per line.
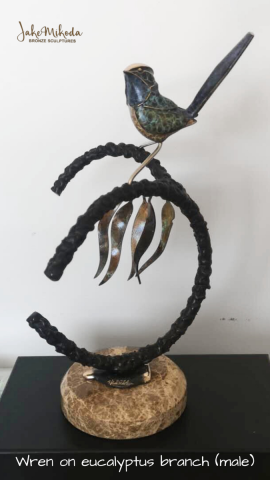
[59, 100]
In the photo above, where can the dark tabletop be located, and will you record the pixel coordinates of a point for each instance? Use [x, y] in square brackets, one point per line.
[228, 409]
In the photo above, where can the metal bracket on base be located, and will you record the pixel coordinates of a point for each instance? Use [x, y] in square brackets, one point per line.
[141, 376]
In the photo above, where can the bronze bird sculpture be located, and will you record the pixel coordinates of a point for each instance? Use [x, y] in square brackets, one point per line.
[157, 118]
[154, 115]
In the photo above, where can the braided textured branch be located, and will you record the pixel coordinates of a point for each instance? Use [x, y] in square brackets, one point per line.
[128, 151]
[168, 189]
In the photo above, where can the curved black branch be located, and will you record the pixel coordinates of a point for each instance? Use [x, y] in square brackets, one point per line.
[169, 190]
[128, 151]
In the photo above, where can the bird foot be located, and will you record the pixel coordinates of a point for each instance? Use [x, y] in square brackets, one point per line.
[147, 144]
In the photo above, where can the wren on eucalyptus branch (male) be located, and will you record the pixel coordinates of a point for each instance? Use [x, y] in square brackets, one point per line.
[157, 118]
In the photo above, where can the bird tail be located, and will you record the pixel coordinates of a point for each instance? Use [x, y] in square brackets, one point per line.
[218, 75]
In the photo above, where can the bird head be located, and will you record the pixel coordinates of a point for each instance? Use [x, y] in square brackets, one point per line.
[139, 80]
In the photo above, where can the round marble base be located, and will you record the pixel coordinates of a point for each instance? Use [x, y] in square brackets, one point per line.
[134, 412]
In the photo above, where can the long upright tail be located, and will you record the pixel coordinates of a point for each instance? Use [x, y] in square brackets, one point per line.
[218, 75]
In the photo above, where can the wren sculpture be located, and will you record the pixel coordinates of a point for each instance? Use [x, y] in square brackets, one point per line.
[92, 396]
[157, 118]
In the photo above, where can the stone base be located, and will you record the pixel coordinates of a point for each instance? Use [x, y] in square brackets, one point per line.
[134, 412]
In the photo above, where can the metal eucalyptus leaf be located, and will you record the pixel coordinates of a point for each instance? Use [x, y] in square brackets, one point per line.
[119, 225]
[167, 217]
[142, 234]
[103, 240]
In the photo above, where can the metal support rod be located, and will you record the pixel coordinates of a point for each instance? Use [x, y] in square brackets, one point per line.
[146, 161]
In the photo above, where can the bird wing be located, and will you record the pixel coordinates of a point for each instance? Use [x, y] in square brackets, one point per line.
[161, 120]
[160, 102]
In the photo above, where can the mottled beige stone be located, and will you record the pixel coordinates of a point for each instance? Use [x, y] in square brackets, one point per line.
[134, 412]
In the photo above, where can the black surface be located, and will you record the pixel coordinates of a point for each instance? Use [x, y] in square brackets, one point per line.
[228, 409]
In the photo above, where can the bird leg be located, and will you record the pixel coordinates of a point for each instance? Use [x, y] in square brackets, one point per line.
[146, 161]
[147, 144]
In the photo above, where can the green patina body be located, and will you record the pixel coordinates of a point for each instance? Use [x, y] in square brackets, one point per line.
[160, 116]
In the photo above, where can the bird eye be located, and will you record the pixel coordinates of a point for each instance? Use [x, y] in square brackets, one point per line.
[140, 69]
[148, 77]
